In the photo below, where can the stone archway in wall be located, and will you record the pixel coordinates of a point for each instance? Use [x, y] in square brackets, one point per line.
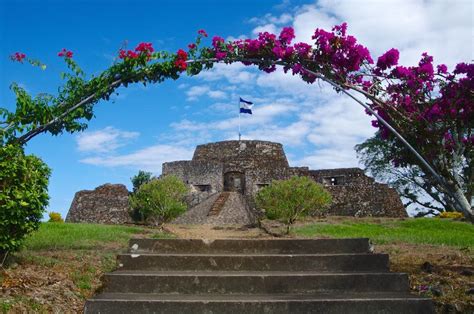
[234, 181]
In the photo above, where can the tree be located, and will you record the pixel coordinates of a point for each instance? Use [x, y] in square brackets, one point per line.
[410, 181]
[141, 178]
[137, 181]
[289, 200]
[161, 199]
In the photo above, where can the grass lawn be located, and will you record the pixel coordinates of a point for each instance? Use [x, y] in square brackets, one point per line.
[66, 236]
[61, 265]
[384, 231]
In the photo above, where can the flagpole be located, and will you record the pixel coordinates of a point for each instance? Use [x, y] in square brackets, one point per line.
[239, 120]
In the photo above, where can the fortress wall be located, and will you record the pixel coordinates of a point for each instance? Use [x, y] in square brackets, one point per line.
[343, 176]
[107, 204]
[197, 174]
[243, 154]
[376, 200]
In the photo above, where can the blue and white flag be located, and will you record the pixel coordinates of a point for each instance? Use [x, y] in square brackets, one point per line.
[245, 106]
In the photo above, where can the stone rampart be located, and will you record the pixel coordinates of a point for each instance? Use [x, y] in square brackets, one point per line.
[107, 204]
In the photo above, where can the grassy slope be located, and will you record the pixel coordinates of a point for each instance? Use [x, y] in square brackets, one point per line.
[65, 236]
[416, 231]
[61, 266]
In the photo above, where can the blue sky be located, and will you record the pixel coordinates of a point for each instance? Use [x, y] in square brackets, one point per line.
[143, 127]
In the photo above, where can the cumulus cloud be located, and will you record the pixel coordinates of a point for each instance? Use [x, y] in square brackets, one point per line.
[104, 141]
[194, 92]
[149, 159]
[235, 73]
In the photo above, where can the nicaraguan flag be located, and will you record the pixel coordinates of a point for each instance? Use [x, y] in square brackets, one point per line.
[245, 106]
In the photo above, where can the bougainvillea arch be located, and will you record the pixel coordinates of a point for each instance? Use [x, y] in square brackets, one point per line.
[428, 109]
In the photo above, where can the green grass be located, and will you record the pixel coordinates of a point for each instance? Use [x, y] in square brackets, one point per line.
[418, 231]
[69, 236]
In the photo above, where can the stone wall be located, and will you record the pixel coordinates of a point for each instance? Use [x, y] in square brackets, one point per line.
[355, 194]
[107, 204]
[341, 176]
[377, 200]
[200, 176]
[243, 154]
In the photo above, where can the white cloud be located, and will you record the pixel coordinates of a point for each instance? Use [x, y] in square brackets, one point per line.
[216, 94]
[235, 73]
[268, 18]
[104, 141]
[149, 159]
[271, 28]
[194, 92]
[441, 28]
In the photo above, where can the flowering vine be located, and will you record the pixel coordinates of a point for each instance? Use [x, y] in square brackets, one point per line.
[431, 107]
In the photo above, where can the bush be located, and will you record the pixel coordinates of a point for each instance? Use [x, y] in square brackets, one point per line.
[23, 196]
[161, 199]
[452, 215]
[288, 200]
[55, 217]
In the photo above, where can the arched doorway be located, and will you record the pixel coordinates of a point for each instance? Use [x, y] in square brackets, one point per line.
[234, 181]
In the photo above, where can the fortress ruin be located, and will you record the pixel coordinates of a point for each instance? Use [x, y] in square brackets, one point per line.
[224, 177]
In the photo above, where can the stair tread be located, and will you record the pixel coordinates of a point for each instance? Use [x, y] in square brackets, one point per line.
[147, 253]
[252, 240]
[257, 297]
[247, 273]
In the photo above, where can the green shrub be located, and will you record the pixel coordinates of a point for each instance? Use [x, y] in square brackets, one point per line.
[288, 200]
[161, 199]
[23, 196]
[55, 217]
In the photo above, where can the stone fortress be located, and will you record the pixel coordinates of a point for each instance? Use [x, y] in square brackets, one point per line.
[223, 178]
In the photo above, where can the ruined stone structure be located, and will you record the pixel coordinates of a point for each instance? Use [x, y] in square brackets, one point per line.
[224, 177]
[244, 167]
[107, 204]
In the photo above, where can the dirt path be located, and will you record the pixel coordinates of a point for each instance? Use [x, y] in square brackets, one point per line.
[214, 232]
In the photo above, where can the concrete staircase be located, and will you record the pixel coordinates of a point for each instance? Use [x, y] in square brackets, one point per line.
[255, 276]
[219, 204]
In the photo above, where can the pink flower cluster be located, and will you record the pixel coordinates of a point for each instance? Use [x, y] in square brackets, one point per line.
[64, 53]
[180, 62]
[18, 57]
[143, 49]
[202, 33]
[333, 52]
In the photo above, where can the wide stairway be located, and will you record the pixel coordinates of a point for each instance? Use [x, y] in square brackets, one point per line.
[255, 276]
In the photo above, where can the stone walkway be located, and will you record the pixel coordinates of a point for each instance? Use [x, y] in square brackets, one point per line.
[234, 211]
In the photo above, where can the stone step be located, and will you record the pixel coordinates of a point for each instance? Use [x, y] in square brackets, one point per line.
[250, 246]
[252, 282]
[250, 304]
[255, 262]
